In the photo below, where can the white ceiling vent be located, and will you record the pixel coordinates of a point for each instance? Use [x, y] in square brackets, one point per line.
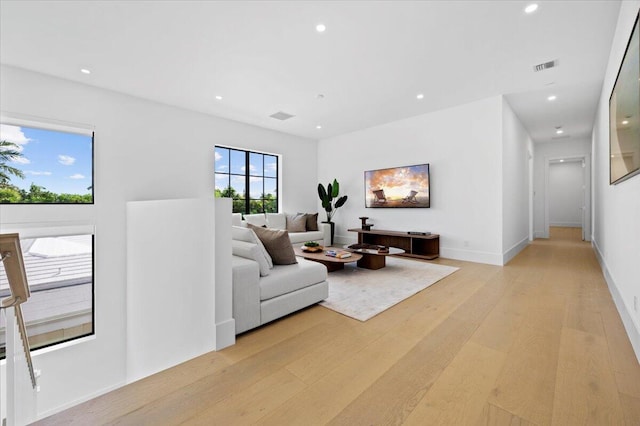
[546, 65]
[280, 115]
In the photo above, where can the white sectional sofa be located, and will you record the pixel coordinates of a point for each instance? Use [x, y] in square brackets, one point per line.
[262, 291]
[279, 221]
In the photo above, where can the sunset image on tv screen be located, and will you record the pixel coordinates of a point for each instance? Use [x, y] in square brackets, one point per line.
[398, 187]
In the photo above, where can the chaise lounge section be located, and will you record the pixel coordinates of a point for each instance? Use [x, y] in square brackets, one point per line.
[263, 291]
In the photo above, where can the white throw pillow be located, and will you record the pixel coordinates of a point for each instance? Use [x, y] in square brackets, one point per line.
[277, 220]
[236, 219]
[258, 219]
[250, 251]
[247, 235]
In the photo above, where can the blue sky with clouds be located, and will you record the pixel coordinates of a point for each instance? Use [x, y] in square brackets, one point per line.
[61, 162]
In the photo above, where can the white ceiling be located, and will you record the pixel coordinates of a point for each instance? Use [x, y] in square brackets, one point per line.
[370, 63]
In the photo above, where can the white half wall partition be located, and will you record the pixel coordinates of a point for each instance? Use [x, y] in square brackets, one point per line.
[171, 283]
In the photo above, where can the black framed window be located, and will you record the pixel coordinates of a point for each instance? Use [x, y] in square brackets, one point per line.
[249, 178]
[41, 165]
[60, 272]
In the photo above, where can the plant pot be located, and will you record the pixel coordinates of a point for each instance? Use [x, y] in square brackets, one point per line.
[333, 229]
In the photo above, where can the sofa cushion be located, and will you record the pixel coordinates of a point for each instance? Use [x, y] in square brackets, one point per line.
[250, 251]
[245, 234]
[296, 222]
[312, 221]
[303, 237]
[277, 243]
[236, 219]
[258, 219]
[287, 278]
[276, 220]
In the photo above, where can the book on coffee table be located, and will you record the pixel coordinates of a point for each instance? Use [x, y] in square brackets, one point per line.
[339, 254]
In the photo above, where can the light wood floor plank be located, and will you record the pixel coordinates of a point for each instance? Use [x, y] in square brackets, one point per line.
[496, 416]
[487, 345]
[631, 408]
[458, 396]
[586, 390]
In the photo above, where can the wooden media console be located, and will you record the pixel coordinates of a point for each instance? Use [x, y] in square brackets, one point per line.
[418, 246]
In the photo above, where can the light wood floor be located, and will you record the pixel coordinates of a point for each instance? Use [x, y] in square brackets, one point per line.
[536, 342]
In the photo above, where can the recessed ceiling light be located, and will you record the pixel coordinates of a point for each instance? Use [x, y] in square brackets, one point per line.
[85, 71]
[559, 132]
[613, 156]
[218, 97]
[552, 98]
[321, 28]
[420, 96]
[531, 8]
[562, 161]
[625, 121]
[318, 127]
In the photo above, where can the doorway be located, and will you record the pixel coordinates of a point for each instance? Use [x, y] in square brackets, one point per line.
[567, 195]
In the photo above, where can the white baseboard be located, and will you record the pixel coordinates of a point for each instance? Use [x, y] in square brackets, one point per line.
[539, 234]
[225, 334]
[513, 251]
[471, 255]
[631, 325]
[566, 224]
[75, 402]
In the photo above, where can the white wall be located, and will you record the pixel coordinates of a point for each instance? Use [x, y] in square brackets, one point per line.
[143, 151]
[516, 148]
[616, 226]
[566, 195]
[463, 146]
[543, 152]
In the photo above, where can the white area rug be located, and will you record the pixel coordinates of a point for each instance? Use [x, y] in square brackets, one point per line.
[364, 293]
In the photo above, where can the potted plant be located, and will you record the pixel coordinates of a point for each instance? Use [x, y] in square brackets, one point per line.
[327, 196]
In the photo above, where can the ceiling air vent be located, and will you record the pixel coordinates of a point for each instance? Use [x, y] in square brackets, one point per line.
[546, 65]
[280, 115]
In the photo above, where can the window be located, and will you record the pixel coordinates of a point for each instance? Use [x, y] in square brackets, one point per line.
[44, 166]
[239, 172]
[60, 276]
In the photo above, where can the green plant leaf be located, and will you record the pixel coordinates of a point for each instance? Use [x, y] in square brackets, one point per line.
[336, 189]
[341, 201]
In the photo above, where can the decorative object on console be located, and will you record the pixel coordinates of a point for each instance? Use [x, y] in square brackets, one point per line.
[398, 187]
[327, 196]
[624, 108]
[312, 247]
[365, 226]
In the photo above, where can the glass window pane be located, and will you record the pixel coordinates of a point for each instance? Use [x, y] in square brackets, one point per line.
[222, 185]
[271, 205]
[255, 164]
[237, 162]
[39, 166]
[270, 166]
[237, 183]
[257, 188]
[270, 188]
[60, 275]
[238, 205]
[222, 160]
[255, 206]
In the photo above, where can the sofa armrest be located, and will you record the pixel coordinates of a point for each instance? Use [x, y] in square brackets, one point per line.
[326, 231]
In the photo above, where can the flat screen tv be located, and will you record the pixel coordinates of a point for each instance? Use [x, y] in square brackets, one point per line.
[405, 187]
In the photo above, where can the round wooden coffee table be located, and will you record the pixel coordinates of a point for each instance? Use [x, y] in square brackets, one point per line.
[332, 263]
[372, 258]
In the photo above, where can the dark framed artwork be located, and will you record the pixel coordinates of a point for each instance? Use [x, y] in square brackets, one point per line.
[624, 114]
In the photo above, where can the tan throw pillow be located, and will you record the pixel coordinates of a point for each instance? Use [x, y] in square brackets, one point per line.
[312, 221]
[277, 243]
[296, 222]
